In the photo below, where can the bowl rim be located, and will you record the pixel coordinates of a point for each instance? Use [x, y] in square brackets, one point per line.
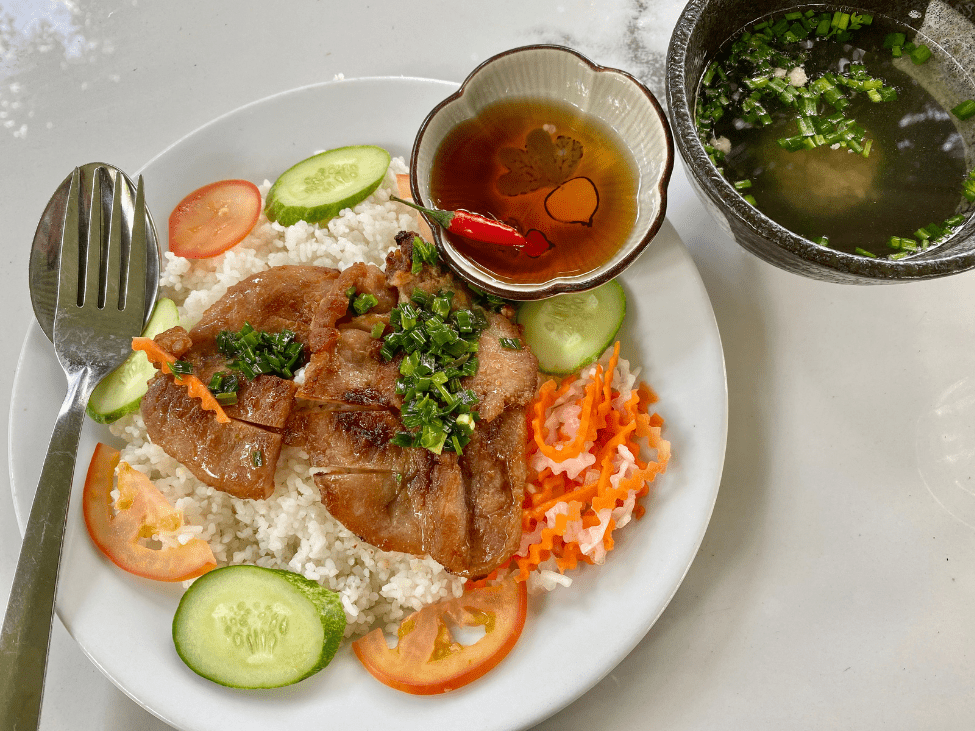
[842, 265]
[551, 287]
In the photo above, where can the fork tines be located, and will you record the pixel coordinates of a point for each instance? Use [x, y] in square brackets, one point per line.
[95, 268]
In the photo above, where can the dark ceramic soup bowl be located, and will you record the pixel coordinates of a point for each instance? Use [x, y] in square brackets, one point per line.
[944, 25]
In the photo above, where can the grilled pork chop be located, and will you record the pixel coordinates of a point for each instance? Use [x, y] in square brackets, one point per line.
[463, 510]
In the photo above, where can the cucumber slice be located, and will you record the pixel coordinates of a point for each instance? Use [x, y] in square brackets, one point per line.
[252, 627]
[120, 392]
[319, 187]
[569, 331]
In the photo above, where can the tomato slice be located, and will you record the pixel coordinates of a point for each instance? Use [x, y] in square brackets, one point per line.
[140, 511]
[214, 218]
[427, 660]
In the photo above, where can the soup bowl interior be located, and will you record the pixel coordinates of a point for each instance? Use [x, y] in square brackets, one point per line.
[556, 74]
[705, 25]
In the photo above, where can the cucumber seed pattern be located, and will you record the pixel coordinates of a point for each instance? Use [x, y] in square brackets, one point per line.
[329, 178]
[254, 629]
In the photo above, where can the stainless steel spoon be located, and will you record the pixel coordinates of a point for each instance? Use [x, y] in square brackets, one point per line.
[101, 296]
[45, 255]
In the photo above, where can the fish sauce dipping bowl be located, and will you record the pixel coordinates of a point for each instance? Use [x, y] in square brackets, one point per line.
[555, 74]
[705, 25]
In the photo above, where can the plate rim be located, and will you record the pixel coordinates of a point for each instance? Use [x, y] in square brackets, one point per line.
[289, 92]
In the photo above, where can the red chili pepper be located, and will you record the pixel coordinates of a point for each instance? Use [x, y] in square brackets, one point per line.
[472, 225]
[536, 243]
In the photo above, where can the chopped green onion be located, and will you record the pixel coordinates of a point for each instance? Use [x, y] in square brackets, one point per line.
[377, 330]
[903, 244]
[792, 144]
[510, 343]
[921, 54]
[440, 306]
[257, 458]
[864, 252]
[181, 367]
[894, 39]
[252, 352]
[364, 302]
[965, 110]
[423, 253]
[808, 106]
[709, 74]
[420, 296]
[438, 345]
[806, 127]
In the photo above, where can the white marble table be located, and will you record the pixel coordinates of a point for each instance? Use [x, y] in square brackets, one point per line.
[836, 584]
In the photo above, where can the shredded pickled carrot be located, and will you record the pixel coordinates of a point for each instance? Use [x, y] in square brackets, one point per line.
[194, 386]
[562, 452]
[611, 426]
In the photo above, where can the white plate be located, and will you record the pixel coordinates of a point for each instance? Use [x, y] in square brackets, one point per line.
[572, 638]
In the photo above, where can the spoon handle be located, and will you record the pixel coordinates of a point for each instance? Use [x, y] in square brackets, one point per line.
[26, 632]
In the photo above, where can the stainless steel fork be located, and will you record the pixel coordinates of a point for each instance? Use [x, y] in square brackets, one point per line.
[100, 307]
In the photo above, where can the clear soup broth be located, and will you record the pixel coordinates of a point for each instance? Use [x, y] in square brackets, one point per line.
[912, 176]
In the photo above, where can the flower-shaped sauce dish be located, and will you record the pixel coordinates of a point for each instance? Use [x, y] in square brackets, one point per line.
[575, 156]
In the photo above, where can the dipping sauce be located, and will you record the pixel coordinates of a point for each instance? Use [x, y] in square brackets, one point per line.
[547, 169]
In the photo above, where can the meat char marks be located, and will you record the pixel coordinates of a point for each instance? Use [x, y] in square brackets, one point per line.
[464, 511]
